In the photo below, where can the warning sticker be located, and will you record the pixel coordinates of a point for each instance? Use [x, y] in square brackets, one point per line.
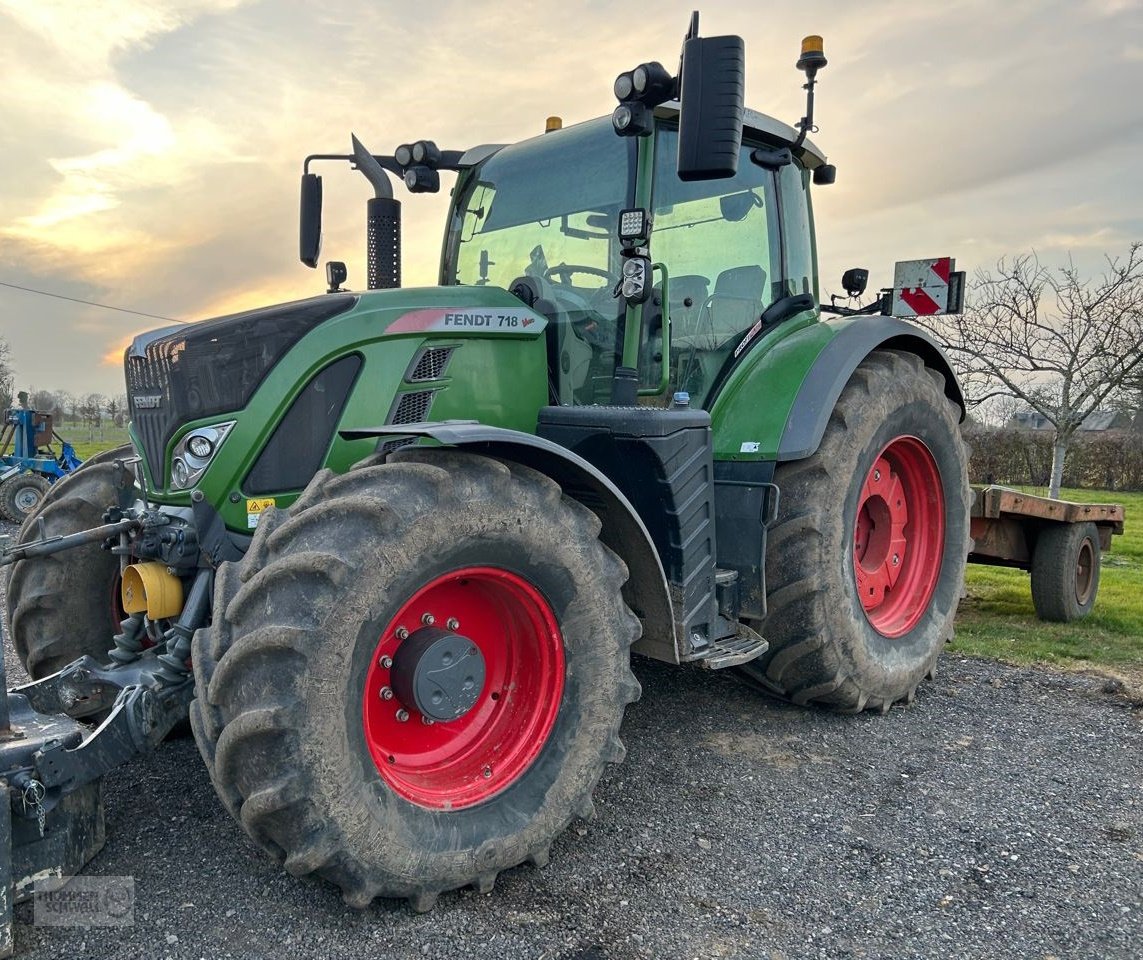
[255, 509]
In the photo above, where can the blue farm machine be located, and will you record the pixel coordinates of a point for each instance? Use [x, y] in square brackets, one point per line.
[28, 463]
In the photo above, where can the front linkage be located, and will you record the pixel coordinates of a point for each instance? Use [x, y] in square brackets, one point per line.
[51, 764]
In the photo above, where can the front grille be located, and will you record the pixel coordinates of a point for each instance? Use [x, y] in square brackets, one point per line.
[412, 407]
[212, 367]
[430, 364]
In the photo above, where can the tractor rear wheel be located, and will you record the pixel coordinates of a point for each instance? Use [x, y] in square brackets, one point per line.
[865, 562]
[21, 495]
[67, 605]
[414, 678]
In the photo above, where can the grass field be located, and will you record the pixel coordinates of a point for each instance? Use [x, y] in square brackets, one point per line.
[88, 444]
[996, 618]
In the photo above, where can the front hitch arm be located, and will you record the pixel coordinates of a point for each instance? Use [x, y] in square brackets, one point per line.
[46, 546]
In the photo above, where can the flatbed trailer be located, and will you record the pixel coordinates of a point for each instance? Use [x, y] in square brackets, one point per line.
[1059, 542]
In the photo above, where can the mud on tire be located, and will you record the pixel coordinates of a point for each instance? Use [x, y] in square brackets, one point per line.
[823, 648]
[281, 673]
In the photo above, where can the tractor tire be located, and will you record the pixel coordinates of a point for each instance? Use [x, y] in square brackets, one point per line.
[865, 561]
[21, 495]
[59, 489]
[1065, 571]
[66, 605]
[307, 713]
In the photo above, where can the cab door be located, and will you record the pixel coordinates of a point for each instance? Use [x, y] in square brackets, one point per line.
[721, 243]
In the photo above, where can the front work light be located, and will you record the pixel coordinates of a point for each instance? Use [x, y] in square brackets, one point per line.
[634, 225]
[421, 179]
[426, 153]
[632, 119]
[653, 83]
[634, 287]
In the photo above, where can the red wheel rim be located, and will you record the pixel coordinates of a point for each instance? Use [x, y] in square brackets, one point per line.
[899, 536]
[455, 764]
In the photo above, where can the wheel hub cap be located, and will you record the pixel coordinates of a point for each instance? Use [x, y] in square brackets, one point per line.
[464, 688]
[438, 673]
[27, 499]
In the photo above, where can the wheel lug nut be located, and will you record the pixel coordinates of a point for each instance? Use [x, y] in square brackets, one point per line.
[428, 619]
[876, 474]
[402, 633]
[453, 623]
[896, 559]
[487, 771]
[427, 721]
[386, 662]
[386, 693]
[402, 715]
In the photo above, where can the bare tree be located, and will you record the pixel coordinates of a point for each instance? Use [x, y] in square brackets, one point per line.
[7, 376]
[117, 409]
[1058, 342]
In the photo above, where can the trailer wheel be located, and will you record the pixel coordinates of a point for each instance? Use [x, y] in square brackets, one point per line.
[21, 495]
[1065, 571]
[865, 562]
[415, 676]
[67, 605]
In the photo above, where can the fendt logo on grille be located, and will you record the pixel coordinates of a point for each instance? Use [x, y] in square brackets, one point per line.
[147, 401]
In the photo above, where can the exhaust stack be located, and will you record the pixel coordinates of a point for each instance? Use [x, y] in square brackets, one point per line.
[382, 224]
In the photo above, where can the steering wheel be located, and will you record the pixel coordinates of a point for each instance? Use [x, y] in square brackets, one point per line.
[565, 271]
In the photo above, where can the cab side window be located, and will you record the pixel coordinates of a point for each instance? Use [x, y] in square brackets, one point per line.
[794, 198]
[719, 240]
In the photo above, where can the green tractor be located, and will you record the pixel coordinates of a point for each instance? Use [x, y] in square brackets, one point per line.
[392, 550]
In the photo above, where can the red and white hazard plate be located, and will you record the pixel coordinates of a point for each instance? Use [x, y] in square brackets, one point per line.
[921, 288]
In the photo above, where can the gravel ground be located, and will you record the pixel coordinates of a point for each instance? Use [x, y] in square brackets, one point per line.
[999, 815]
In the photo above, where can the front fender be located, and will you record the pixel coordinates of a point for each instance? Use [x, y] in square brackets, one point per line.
[623, 532]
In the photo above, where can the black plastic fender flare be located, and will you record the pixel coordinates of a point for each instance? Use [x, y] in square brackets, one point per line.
[830, 372]
[623, 532]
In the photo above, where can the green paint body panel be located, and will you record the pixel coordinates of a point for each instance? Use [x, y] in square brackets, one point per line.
[755, 402]
[498, 378]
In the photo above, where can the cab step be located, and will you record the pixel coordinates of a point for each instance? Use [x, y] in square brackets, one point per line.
[733, 651]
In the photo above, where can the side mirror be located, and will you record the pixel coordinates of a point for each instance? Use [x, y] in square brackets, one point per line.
[711, 85]
[309, 231]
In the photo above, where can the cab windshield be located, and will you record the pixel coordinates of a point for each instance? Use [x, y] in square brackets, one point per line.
[545, 211]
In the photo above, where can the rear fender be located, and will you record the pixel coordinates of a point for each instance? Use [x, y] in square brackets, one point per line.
[646, 591]
[835, 364]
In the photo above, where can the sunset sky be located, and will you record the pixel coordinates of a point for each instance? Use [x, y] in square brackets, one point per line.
[151, 150]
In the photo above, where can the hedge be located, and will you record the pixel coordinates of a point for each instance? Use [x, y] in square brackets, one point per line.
[1111, 460]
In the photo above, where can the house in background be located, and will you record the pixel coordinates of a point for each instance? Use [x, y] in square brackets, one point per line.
[1099, 422]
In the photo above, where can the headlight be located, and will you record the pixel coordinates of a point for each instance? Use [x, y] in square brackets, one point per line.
[194, 452]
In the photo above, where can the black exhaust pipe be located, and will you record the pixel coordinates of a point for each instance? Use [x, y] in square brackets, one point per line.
[383, 243]
[382, 224]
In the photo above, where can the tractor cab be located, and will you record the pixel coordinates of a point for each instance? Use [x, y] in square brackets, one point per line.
[542, 219]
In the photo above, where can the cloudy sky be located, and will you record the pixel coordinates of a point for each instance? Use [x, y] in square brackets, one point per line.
[151, 148]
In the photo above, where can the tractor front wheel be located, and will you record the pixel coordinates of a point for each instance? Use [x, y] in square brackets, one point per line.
[414, 678]
[63, 606]
[865, 562]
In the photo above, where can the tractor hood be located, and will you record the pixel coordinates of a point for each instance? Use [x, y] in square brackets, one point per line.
[176, 375]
